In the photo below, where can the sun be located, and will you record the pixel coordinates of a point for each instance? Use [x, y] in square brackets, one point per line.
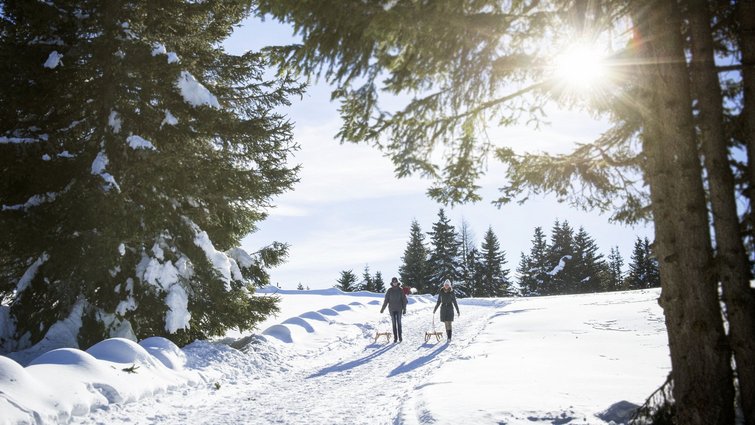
[580, 67]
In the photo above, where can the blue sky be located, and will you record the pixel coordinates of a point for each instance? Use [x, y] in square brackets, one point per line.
[349, 210]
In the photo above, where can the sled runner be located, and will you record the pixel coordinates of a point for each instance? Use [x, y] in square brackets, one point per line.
[434, 333]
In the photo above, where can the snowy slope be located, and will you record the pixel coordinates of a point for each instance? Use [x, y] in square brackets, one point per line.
[513, 361]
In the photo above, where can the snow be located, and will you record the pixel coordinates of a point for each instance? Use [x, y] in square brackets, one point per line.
[159, 49]
[53, 60]
[33, 201]
[98, 168]
[178, 315]
[224, 265]
[16, 140]
[194, 93]
[169, 119]
[29, 274]
[138, 142]
[561, 359]
[114, 121]
[560, 266]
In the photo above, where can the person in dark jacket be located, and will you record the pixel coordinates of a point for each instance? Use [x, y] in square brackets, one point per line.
[396, 302]
[447, 302]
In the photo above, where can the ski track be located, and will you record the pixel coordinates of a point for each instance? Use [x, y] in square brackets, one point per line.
[369, 383]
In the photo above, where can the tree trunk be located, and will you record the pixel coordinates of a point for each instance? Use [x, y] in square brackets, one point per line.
[731, 258]
[700, 357]
[746, 15]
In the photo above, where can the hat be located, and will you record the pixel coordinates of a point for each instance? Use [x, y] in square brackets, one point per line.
[394, 281]
[447, 283]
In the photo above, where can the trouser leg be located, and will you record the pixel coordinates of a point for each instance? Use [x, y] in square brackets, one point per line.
[395, 325]
[398, 324]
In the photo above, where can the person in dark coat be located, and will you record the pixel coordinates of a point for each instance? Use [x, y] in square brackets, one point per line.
[396, 302]
[447, 302]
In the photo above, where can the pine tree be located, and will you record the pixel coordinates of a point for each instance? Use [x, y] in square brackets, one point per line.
[533, 268]
[467, 265]
[495, 279]
[525, 281]
[135, 154]
[366, 284]
[475, 267]
[379, 283]
[347, 282]
[643, 268]
[560, 259]
[588, 267]
[300, 287]
[444, 255]
[414, 268]
[615, 274]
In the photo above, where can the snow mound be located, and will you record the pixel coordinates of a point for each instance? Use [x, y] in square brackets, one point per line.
[67, 356]
[280, 332]
[166, 351]
[122, 350]
[313, 315]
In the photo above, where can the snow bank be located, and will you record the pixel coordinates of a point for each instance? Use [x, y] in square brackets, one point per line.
[68, 382]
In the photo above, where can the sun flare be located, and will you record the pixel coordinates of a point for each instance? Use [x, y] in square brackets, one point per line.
[580, 67]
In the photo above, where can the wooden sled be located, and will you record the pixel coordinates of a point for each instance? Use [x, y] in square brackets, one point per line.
[387, 336]
[437, 335]
[434, 333]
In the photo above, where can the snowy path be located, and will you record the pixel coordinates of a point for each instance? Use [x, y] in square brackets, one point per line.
[348, 379]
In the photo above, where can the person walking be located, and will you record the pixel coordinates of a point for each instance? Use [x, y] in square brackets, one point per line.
[396, 302]
[447, 302]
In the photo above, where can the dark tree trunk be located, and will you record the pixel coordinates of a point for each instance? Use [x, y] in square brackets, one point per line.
[746, 15]
[700, 357]
[731, 258]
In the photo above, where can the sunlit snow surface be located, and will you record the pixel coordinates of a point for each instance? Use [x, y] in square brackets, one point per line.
[511, 361]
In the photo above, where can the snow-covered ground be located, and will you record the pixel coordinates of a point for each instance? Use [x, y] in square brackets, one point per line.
[549, 360]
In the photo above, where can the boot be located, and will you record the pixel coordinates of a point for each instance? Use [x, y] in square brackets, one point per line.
[448, 332]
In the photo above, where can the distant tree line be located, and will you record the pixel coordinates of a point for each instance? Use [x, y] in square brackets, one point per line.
[348, 281]
[570, 263]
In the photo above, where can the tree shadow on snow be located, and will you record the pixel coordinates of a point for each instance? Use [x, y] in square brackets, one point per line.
[342, 366]
[418, 362]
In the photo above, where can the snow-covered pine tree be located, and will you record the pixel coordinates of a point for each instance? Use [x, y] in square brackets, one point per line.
[414, 269]
[560, 256]
[444, 255]
[495, 279]
[588, 267]
[135, 155]
[615, 279]
[533, 268]
[379, 283]
[347, 282]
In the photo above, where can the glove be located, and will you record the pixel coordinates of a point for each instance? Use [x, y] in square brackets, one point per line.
[458, 314]
[404, 312]
[382, 310]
